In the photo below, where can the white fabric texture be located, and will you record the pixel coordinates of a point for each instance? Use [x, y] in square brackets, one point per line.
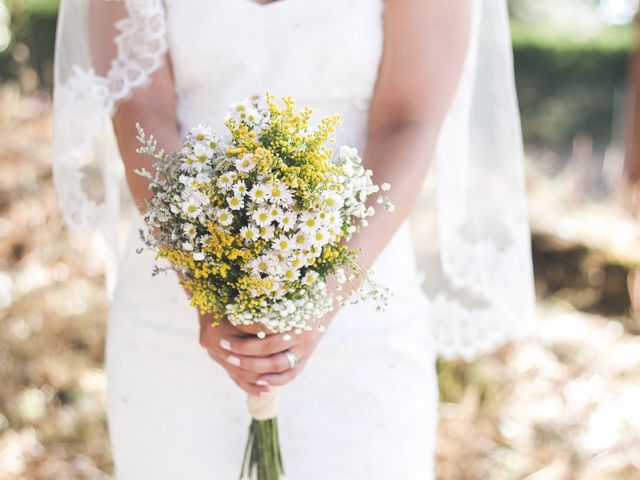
[479, 278]
[365, 405]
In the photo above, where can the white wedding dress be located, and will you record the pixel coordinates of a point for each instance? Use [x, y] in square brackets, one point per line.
[365, 405]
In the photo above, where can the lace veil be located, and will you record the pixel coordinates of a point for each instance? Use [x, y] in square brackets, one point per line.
[479, 275]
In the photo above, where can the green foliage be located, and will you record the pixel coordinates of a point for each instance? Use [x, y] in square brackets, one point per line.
[567, 85]
[37, 7]
[33, 26]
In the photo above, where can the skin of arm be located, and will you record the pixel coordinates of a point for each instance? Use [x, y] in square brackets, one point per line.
[424, 51]
[157, 115]
[153, 105]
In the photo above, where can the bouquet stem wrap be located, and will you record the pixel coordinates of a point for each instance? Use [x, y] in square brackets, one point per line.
[262, 453]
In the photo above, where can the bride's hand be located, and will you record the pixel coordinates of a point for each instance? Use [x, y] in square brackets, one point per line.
[257, 363]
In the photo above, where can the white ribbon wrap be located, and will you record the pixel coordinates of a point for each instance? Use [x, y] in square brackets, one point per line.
[263, 408]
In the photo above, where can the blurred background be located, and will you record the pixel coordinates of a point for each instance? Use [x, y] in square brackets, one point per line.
[564, 406]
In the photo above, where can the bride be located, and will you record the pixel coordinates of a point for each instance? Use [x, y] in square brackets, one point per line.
[412, 80]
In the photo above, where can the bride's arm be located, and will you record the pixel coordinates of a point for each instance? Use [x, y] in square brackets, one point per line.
[424, 52]
[154, 107]
[425, 44]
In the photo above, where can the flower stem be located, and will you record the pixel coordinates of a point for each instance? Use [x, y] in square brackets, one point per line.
[262, 453]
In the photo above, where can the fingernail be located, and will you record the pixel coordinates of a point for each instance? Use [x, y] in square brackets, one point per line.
[233, 360]
[225, 344]
[262, 383]
[264, 393]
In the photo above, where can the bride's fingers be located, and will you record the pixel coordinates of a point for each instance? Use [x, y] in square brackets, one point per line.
[276, 363]
[278, 379]
[251, 388]
[257, 347]
[248, 368]
[219, 336]
[239, 374]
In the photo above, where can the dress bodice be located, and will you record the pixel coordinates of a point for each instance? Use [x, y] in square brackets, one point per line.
[323, 53]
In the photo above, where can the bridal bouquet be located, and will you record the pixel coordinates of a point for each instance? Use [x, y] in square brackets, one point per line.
[255, 220]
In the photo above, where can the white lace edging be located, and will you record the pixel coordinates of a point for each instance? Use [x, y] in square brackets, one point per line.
[500, 282]
[84, 105]
[461, 332]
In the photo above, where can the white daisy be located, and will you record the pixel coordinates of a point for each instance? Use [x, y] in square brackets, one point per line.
[279, 192]
[262, 264]
[267, 232]
[320, 237]
[244, 111]
[309, 222]
[200, 162]
[198, 256]
[192, 208]
[296, 260]
[189, 230]
[246, 163]
[332, 232]
[224, 181]
[235, 202]
[280, 263]
[188, 163]
[310, 277]
[333, 200]
[224, 216]
[287, 220]
[249, 233]
[301, 241]
[291, 274]
[335, 220]
[275, 213]
[282, 243]
[238, 106]
[262, 217]
[252, 115]
[201, 131]
[323, 217]
[259, 193]
[310, 258]
[240, 189]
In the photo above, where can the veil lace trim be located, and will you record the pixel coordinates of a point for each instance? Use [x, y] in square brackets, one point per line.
[83, 106]
[499, 280]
